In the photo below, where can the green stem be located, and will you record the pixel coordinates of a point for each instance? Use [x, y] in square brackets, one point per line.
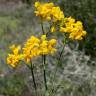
[49, 30]
[42, 27]
[44, 71]
[44, 59]
[59, 59]
[61, 53]
[33, 78]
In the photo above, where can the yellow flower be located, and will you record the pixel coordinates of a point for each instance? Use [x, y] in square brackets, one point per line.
[70, 20]
[15, 49]
[68, 25]
[30, 48]
[51, 45]
[53, 29]
[48, 11]
[75, 29]
[57, 14]
[47, 46]
[14, 58]
[43, 10]
[43, 45]
[43, 37]
[52, 42]
[37, 4]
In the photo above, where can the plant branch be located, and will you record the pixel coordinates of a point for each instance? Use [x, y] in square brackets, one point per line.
[42, 27]
[44, 71]
[32, 73]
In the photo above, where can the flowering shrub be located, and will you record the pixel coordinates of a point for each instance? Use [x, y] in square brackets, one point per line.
[43, 46]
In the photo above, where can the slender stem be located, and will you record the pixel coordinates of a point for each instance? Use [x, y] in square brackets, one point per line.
[61, 53]
[44, 60]
[48, 30]
[42, 27]
[33, 78]
[44, 71]
[59, 59]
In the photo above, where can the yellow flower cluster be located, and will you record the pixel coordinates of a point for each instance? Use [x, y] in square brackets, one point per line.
[32, 48]
[75, 29]
[47, 47]
[15, 57]
[35, 47]
[48, 11]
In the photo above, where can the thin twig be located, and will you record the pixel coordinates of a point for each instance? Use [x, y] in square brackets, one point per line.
[32, 73]
[44, 70]
[59, 59]
[42, 27]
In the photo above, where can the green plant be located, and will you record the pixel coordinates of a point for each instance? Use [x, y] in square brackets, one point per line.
[42, 46]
